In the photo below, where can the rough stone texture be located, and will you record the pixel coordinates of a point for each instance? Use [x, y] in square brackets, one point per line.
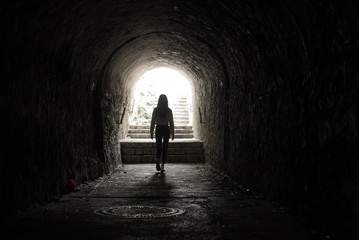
[277, 83]
[144, 151]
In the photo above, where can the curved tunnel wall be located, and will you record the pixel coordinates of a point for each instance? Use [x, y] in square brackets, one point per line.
[277, 83]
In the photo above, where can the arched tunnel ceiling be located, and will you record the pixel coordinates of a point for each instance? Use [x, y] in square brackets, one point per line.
[179, 34]
[194, 36]
[152, 50]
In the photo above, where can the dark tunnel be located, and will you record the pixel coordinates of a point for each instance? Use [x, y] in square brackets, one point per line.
[276, 81]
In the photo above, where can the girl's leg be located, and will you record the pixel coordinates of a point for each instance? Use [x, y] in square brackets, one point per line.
[158, 148]
[166, 137]
[164, 149]
[159, 136]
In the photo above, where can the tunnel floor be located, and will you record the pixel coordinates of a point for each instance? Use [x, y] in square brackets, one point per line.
[188, 201]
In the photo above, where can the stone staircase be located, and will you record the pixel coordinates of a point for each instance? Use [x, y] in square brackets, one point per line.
[144, 132]
[180, 110]
[139, 148]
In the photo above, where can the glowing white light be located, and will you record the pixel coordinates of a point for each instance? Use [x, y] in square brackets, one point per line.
[164, 81]
[153, 83]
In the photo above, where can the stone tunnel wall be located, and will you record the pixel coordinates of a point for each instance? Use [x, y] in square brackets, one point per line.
[287, 122]
[276, 82]
[47, 104]
[293, 113]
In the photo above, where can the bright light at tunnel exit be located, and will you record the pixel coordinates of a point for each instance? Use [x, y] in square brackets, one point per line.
[161, 81]
[164, 81]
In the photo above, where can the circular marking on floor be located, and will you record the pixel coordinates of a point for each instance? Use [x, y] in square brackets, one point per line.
[138, 211]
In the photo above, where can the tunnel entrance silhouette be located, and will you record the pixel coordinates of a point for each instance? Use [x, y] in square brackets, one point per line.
[138, 147]
[158, 81]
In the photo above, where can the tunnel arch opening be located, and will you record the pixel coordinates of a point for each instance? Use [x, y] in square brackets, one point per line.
[156, 81]
[205, 70]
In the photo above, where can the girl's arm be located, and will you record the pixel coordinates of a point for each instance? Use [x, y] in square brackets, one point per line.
[152, 123]
[172, 126]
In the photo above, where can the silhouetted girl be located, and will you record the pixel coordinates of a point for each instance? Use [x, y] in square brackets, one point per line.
[163, 119]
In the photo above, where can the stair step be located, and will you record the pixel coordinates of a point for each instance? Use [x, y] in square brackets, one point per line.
[144, 135]
[152, 151]
[175, 123]
[170, 103]
[169, 159]
[148, 127]
[179, 106]
[148, 143]
[180, 114]
[181, 117]
[184, 116]
[177, 131]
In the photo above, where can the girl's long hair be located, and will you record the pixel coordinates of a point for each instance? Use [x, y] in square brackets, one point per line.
[162, 106]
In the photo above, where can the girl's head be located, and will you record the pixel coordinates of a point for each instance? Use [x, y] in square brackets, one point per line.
[162, 105]
[162, 101]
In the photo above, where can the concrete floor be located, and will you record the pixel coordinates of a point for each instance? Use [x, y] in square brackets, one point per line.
[205, 204]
